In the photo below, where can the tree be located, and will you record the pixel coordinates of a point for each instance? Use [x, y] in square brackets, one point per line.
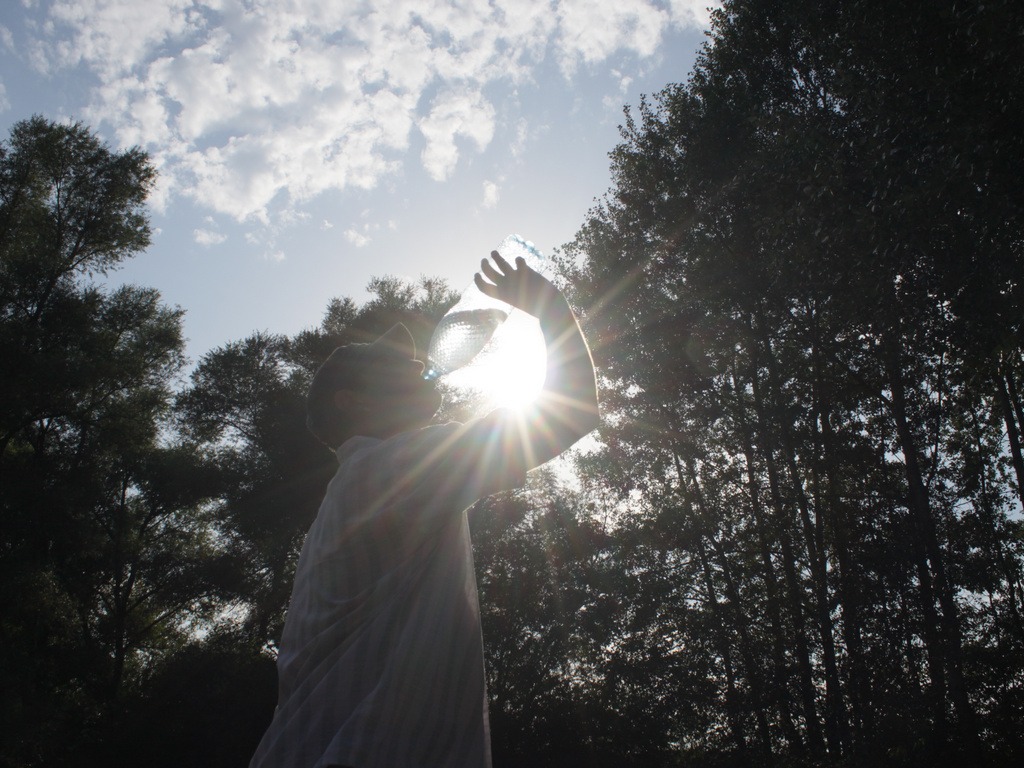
[784, 290]
[105, 547]
[69, 207]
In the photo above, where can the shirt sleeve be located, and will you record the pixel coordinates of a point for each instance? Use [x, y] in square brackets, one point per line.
[440, 470]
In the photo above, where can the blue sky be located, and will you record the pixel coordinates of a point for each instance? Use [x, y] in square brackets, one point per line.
[305, 146]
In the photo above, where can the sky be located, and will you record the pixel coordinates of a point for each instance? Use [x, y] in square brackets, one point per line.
[306, 146]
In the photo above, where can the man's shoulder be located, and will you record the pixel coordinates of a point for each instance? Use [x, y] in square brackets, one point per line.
[355, 446]
[428, 442]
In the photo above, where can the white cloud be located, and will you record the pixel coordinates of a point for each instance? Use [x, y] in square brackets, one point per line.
[251, 107]
[690, 13]
[614, 103]
[491, 194]
[6, 38]
[357, 238]
[208, 237]
[522, 135]
[455, 114]
[113, 36]
[591, 30]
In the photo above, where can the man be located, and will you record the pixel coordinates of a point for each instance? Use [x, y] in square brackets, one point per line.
[381, 660]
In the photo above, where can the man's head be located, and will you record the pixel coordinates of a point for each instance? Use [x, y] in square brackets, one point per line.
[376, 390]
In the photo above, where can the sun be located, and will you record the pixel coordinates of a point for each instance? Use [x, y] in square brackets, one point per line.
[509, 372]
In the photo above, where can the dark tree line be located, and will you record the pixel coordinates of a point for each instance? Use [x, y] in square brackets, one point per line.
[806, 285]
[797, 539]
[149, 522]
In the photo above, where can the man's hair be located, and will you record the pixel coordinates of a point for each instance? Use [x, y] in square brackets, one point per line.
[329, 423]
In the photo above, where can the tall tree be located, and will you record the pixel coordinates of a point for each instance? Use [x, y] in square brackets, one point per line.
[105, 549]
[787, 270]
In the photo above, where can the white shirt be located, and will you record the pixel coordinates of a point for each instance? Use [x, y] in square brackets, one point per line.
[381, 660]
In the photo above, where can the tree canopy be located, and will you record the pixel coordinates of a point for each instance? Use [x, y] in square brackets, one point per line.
[797, 539]
[822, 225]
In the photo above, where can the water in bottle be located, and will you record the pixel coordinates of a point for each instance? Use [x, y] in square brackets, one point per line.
[467, 327]
[459, 337]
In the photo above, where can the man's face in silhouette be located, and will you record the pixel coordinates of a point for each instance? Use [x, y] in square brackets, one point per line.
[389, 395]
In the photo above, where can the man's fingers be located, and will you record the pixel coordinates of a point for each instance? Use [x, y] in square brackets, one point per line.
[492, 273]
[500, 261]
[489, 271]
[485, 287]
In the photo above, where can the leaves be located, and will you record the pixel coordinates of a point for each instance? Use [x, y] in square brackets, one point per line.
[796, 539]
[777, 290]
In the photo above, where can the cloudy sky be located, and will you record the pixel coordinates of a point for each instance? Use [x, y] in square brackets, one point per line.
[305, 146]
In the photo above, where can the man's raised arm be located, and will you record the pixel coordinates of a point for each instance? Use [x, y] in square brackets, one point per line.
[566, 408]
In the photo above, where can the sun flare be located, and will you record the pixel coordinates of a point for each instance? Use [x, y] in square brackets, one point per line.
[509, 372]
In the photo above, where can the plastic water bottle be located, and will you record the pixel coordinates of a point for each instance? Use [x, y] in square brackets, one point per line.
[467, 327]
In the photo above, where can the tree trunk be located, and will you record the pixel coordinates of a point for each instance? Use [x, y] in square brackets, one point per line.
[1003, 382]
[794, 588]
[733, 707]
[848, 585]
[1015, 401]
[931, 560]
[764, 537]
[836, 730]
[995, 544]
[739, 620]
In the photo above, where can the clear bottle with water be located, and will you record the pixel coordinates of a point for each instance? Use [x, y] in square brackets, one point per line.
[467, 327]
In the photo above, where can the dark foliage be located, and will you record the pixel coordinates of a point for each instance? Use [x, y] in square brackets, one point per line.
[797, 541]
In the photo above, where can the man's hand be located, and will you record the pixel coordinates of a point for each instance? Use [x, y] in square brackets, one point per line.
[520, 286]
[566, 407]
